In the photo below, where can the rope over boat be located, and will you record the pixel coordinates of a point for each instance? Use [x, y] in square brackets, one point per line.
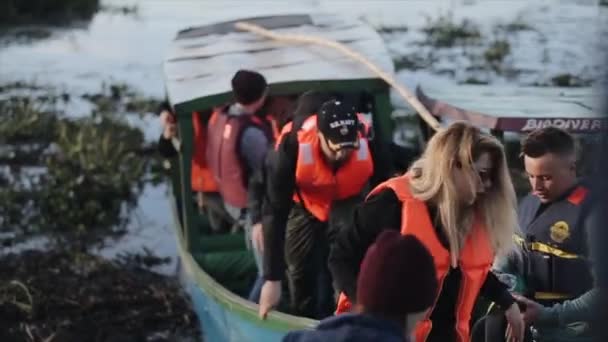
[298, 38]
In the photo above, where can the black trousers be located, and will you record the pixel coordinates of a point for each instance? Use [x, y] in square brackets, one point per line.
[307, 243]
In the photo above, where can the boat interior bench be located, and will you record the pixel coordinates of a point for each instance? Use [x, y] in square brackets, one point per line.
[226, 258]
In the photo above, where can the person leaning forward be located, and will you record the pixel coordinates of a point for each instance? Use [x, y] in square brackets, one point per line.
[458, 199]
[323, 166]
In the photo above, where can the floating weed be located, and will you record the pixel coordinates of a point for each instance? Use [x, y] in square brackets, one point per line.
[444, 32]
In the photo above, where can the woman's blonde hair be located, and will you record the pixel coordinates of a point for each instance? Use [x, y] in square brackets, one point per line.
[431, 179]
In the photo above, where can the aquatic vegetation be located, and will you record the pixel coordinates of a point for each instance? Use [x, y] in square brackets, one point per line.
[495, 54]
[517, 25]
[444, 32]
[73, 179]
[391, 29]
[121, 98]
[413, 61]
[95, 173]
[569, 80]
[126, 10]
[473, 80]
[26, 121]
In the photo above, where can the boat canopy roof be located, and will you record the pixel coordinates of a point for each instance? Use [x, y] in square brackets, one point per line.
[517, 109]
[202, 60]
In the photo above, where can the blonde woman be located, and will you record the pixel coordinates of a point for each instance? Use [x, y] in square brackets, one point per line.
[457, 199]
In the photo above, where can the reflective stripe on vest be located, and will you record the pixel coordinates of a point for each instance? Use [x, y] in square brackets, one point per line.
[363, 151]
[475, 258]
[306, 151]
[544, 248]
[551, 296]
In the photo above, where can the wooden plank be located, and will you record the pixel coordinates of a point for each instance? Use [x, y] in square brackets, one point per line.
[521, 102]
[224, 65]
[203, 66]
[372, 85]
[188, 89]
[245, 41]
[226, 27]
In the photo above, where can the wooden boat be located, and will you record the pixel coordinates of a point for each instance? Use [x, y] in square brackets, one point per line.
[217, 270]
[517, 109]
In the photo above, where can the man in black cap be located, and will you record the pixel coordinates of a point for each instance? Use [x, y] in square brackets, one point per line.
[397, 286]
[321, 171]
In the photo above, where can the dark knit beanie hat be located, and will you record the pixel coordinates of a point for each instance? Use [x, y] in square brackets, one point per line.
[397, 276]
[248, 86]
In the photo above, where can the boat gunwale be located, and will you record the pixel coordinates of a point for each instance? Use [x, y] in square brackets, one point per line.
[228, 300]
[497, 122]
[371, 85]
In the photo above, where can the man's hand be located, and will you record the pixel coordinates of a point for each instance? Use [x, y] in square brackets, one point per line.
[516, 326]
[532, 311]
[257, 237]
[270, 297]
[169, 126]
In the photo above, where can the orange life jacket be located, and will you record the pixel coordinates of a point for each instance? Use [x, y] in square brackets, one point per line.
[317, 183]
[201, 176]
[474, 261]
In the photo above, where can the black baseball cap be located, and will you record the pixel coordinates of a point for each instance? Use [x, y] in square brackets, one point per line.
[339, 123]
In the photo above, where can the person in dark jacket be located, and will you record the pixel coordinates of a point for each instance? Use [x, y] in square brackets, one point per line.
[260, 211]
[599, 252]
[397, 285]
[556, 219]
[461, 173]
[324, 167]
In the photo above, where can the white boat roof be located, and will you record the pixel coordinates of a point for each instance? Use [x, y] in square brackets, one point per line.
[202, 60]
[517, 109]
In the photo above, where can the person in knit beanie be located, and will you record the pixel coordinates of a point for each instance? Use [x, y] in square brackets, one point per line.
[397, 277]
[397, 285]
